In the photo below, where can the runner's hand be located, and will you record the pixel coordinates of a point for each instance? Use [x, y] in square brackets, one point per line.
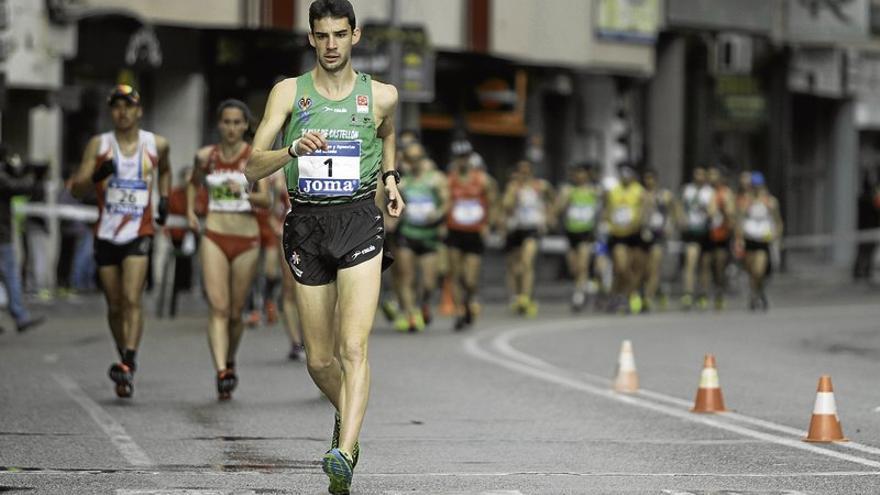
[394, 203]
[309, 143]
[193, 222]
[104, 170]
[162, 211]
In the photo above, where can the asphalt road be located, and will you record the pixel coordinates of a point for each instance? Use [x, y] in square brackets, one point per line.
[512, 407]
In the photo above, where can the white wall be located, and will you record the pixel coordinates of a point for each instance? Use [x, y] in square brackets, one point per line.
[218, 13]
[666, 122]
[599, 110]
[443, 18]
[38, 48]
[560, 33]
[177, 113]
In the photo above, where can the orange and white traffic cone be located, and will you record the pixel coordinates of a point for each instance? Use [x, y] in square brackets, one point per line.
[627, 379]
[709, 399]
[825, 425]
[447, 306]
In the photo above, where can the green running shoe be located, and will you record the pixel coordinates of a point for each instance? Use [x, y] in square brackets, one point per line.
[338, 467]
[635, 304]
[389, 310]
[334, 440]
[416, 322]
[401, 323]
[687, 302]
[703, 303]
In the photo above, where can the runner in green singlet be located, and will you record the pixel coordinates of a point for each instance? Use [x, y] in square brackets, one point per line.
[339, 146]
[427, 197]
[579, 203]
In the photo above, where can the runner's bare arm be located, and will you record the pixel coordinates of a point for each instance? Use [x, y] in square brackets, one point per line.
[81, 183]
[164, 166]
[549, 207]
[442, 188]
[198, 175]
[264, 161]
[777, 218]
[561, 202]
[496, 217]
[385, 97]
[259, 195]
[678, 213]
[647, 209]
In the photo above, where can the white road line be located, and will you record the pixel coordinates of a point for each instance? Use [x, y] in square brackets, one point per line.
[531, 474]
[185, 492]
[434, 492]
[503, 345]
[613, 474]
[118, 436]
[472, 347]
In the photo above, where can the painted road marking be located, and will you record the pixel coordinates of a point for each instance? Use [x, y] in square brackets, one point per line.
[490, 492]
[472, 347]
[118, 436]
[732, 492]
[502, 343]
[187, 492]
[24, 472]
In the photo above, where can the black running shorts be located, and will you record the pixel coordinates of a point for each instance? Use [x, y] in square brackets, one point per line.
[516, 238]
[575, 239]
[319, 241]
[701, 238]
[419, 247]
[630, 241]
[109, 254]
[466, 242]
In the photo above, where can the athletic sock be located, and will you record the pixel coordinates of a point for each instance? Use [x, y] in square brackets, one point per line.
[128, 358]
[269, 289]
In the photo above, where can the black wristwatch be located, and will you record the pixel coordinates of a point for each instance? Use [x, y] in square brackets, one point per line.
[394, 173]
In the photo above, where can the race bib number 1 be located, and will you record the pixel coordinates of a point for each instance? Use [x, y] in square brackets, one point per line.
[127, 197]
[335, 171]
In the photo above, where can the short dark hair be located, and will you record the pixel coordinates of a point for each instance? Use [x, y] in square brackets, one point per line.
[335, 9]
[588, 165]
[233, 103]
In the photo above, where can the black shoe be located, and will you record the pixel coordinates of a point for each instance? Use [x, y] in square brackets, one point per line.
[295, 351]
[226, 382]
[460, 324]
[764, 304]
[25, 325]
[123, 376]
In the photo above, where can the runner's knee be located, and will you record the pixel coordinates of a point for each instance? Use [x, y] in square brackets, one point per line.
[131, 301]
[318, 363]
[115, 308]
[221, 312]
[354, 352]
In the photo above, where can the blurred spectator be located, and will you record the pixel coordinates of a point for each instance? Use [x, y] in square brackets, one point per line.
[14, 179]
[36, 232]
[183, 240]
[76, 264]
[868, 218]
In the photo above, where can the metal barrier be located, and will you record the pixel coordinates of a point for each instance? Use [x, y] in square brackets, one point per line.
[551, 244]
